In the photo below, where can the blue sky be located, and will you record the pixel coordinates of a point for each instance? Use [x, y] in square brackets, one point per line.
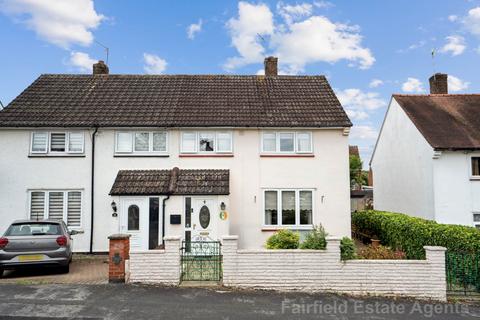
[368, 49]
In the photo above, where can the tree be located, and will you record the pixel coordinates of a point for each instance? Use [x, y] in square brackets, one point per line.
[358, 177]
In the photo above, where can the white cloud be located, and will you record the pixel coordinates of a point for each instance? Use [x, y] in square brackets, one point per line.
[322, 4]
[154, 64]
[291, 13]
[193, 29]
[452, 18]
[253, 21]
[59, 22]
[375, 83]
[413, 85]
[472, 21]
[298, 43]
[455, 45]
[363, 133]
[358, 104]
[82, 61]
[455, 84]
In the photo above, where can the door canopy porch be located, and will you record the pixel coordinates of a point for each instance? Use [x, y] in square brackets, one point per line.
[171, 182]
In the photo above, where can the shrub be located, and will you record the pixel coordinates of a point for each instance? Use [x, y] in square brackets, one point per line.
[410, 234]
[284, 239]
[381, 252]
[315, 239]
[347, 249]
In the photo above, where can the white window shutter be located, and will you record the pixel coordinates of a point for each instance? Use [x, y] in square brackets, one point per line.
[39, 142]
[37, 205]
[55, 205]
[74, 208]
[75, 142]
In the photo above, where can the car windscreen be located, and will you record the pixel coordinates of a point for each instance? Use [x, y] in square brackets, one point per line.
[34, 229]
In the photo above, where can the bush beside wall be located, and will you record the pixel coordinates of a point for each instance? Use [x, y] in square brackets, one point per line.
[410, 234]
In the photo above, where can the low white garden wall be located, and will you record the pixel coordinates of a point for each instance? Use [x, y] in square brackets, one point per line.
[304, 270]
[322, 270]
[157, 266]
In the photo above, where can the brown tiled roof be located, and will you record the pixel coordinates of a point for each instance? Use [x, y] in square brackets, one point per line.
[159, 182]
[176, 101]
[447, 121]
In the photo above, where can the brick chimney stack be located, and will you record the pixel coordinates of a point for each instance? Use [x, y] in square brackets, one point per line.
[439, 83]
[271, 68]
[100, 67]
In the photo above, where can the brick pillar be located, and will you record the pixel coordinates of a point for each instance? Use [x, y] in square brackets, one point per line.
[436, 258]
[333, 247]
[119, 252]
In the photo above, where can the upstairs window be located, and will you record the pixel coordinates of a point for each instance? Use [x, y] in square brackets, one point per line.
[57, 142]
[287, 142]
[57, 205]
[476, 167]
[141, 142]
[206, 142]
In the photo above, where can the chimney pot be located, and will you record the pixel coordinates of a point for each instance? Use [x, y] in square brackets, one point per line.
[100, 67]
[271, 68]
[439, 83]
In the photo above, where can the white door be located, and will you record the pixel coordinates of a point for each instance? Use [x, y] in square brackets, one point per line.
[204, 220]
[134, 221]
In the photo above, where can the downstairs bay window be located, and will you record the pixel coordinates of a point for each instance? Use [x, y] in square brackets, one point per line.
[57, 205]
[288, 207]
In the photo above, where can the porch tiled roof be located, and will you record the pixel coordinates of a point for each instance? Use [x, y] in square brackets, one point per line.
[173, 182]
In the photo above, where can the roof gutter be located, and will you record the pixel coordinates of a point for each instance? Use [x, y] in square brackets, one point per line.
[92, 189]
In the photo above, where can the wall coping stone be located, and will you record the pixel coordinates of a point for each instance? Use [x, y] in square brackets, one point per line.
[119, 236]
[435, 248]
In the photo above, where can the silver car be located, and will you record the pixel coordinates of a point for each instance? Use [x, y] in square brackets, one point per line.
[36, 243]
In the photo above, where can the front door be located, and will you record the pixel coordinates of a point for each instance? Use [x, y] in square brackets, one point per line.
[134, 221]
[204, 220]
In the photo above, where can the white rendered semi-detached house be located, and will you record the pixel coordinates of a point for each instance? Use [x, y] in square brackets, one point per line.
[426, 161]
[197, 156]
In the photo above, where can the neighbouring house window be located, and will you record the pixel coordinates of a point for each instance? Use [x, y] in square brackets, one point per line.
[206, 142]
[57, 205]
[287, 142]
[476, 220]
[133, 218]
[288, 207]
[143, 143]
[476, 166]
[57, 142]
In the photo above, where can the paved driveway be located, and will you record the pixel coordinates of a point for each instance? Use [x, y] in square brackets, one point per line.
[85, 269]
[147, 302]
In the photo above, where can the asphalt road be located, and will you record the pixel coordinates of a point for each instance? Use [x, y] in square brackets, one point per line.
[148, 302]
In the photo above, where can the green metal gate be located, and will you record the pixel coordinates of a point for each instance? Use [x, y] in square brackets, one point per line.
[201, 261]
[463, 273]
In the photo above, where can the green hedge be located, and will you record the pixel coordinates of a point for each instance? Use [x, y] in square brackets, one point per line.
[410, 234]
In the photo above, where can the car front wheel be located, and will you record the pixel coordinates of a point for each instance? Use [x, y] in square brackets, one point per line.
[1, 272]
[65, 269]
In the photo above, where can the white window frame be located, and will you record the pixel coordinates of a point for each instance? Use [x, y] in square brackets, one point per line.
[297, 224]
[150, 151]
[215, 142]
[475, 223]
[470, 168]
[65, 204]
[48, 150]
[47, 144]
[277, 142]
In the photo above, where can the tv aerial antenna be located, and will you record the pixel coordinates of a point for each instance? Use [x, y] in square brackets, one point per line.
[107, 50]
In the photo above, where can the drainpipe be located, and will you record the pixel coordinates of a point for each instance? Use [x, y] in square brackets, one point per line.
[92, 188]
[171, 189]
[163, 219]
